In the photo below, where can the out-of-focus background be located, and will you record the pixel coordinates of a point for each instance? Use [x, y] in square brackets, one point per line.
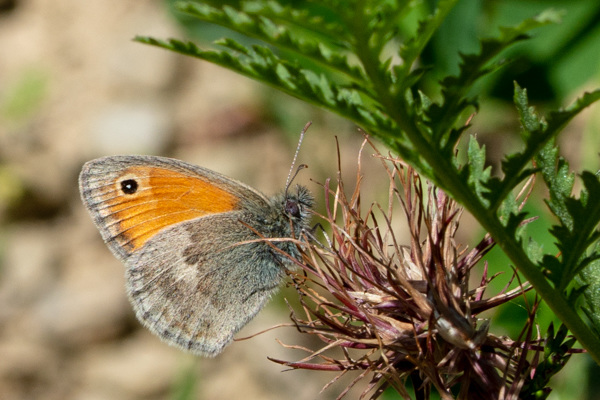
[74, 86]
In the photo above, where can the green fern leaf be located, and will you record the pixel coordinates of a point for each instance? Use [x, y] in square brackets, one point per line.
[555, 172]
[575, 240]
[472, 68]
[537, 132]
[288, 37]
[476, 172]
[590, 280]
[411, 49]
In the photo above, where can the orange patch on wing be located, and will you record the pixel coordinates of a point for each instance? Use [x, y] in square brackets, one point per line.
[163, 198]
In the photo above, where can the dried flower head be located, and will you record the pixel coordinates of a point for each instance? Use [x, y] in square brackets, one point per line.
[394, 312]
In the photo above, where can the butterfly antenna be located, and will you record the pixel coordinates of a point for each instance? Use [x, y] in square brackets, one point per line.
[290, 178]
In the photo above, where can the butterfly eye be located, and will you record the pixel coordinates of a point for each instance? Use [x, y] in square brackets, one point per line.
[129, 186]
[292, 208]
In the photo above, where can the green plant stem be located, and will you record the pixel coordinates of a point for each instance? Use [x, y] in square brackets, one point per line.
[446, 177]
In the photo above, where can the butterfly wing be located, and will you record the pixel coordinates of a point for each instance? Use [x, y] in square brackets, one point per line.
[132, 198]
[196, 290]
[177, 228]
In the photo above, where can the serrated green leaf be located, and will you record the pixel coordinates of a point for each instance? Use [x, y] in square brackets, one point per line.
[509, 207]
[546, 17]
[478, 173]
[472, 68]
[257, 25]
[552, 268]
[535, 251]
[288, 15]
[261, 64]
[574, 241]
[590, 280]
[537, 132]
[530, 121]
[514, 225]
[559, 180]
[233, 45]
[558, 119]
[410, 50]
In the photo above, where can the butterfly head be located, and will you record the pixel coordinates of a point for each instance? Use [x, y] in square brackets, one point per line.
[297, 205]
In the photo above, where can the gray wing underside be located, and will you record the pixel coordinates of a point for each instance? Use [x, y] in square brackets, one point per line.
[195, 286]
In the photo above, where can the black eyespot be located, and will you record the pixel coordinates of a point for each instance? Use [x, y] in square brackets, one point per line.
[129, 186]
[292, 208]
